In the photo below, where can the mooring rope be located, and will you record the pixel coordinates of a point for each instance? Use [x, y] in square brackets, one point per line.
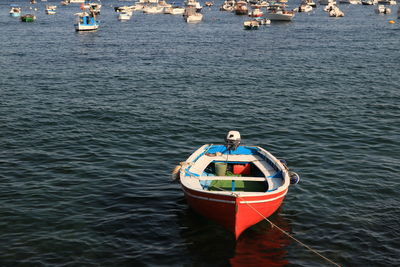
[292, 237]
[280, 229]
[277, 227]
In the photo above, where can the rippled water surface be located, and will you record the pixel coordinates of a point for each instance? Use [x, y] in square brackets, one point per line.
[93, 123]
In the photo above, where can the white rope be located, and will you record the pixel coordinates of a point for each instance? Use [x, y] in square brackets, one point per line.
[292, 237]
[280, 229]
[283, 231]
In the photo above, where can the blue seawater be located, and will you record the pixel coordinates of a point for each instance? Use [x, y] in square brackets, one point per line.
[91, 125]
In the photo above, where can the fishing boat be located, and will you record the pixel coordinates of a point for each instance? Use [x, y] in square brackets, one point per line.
[256, 12]
[311, 3]
[228, 5]
[28, 18]
[86, 21]
[125, 15]
[191, 15]
[65, 3]
[335, 12]
[381, 9]
[93, 7]
[277, 12]
[241, 8]
[51, 9]
[174, 10]
[194, 18]
[251, 25]
[304, 7]
[369, 2]
[153, 9]
[15, 11]
[195, 4]
[234, 185]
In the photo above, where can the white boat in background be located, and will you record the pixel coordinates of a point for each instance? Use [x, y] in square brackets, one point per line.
[304, 7]
[15, 11]
[311, 3]
[369, 2]
[256, 12]
[164, 4]
[277, 12]
[76, 1]
[336, 12]
[228, 5]
[174, 10]
[381, 9]
[125, 8]
[195, 4]
[124, 16]
[191, 15]
[153, 9]
[251, 25]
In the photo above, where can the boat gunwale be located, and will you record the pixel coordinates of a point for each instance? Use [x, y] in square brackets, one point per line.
[186, 182]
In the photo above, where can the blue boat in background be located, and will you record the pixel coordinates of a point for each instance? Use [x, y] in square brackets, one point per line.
[86, 20]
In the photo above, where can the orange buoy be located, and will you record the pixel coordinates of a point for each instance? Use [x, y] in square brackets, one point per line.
[392, 22]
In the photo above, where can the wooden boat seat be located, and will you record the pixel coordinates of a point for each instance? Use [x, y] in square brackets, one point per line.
[201, 164]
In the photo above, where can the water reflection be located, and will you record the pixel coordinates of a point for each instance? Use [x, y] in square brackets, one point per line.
[210, 243]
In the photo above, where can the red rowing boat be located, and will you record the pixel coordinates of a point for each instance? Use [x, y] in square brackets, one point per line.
[234, 185]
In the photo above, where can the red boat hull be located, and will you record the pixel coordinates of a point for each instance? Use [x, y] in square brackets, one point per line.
[236, 213]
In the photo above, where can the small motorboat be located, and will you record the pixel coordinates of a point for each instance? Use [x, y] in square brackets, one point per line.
[195, 4]
[153, 9]
[28, 18]
[256, 12]
[311, 3]
[209, 4]
[304, 7]
[86, 21]
[125, 15]
[234, 185]
[174, 10]
[336, 12]
[125, 8]
[263, 21]
[15, 11]
[241, 8]
[251, 25]
[228, 5]
[277, 12]
[381, 9]
[194, 18]
[369, 2]
[51, 9]
[191, 15]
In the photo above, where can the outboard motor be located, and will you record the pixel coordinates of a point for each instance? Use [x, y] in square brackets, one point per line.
[232, 140]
